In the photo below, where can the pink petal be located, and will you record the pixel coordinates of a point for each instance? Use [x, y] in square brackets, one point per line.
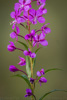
[47, 30]
[39, 12]
[44, 11]
[42, 36]
[34, 22]
[41, 20]
[44, 42]
[13, 26]
[16, 6]
[11, 43]
[13, 35]
[21, 63]
[43, 1]
[42, 6]
[17, 29]
[32, 12]
[33, 55]
[34, 43]
[26, 8]
[28, 1]
[21, 1]
[38, 74]
[12, 14]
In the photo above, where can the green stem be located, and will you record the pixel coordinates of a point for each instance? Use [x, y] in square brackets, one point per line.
[31, 60]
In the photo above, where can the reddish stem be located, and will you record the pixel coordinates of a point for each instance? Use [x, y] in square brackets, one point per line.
[38, 30]
[23, 26]
[18, 34]
[19, 49]
[23, 72]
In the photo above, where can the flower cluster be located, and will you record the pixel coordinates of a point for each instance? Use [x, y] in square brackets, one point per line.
[23, 12]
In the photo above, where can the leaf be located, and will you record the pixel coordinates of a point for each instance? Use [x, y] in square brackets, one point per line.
[51, 92]
[34, 62]
[26, 47]
[52, 69]
[28, 70]
[23, 77]
[38, 49]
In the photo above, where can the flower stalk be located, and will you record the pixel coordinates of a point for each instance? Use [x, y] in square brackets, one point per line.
[23, 12]
[31, 59]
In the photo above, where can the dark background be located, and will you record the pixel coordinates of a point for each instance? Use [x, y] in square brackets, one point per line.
[52, 56]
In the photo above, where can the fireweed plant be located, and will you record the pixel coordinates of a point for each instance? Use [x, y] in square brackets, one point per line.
[24, 13]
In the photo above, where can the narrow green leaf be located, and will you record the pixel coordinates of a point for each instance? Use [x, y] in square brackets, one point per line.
[38, 49]
[34, 62]
[23, 77]
[52, 69]
[28, 70]
[51, 92]
[26, 47]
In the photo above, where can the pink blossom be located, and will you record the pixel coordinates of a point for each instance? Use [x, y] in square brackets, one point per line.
[40, 39]
[23, 5]
[36, 15]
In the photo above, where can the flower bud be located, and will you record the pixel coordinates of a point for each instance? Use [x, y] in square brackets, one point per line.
[29, 92]
[42, 80]
[22, 61]
[12, 68]
[11, 47]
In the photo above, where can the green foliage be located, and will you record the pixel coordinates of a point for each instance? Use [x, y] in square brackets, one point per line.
[23, 77]
[28, 70]
[38, 49]
[51, 92]
[26, 47]
[52, 69]
[34, 62]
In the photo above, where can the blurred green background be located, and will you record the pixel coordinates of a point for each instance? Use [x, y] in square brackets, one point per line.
[52, 56]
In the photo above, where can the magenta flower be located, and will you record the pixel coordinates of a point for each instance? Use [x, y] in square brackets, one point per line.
[17, 18]
[40, 39]
[39, 73]
[22, 62]
[15, 34]
[29, 92]
[36, 15]
[23, 5]
[11, 47]
[30, 36]
[12, 68]
[40, 2]
[42, 80]
[45, 29]
[29, 53]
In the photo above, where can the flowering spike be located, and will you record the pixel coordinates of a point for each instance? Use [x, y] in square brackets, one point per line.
[23, 12]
